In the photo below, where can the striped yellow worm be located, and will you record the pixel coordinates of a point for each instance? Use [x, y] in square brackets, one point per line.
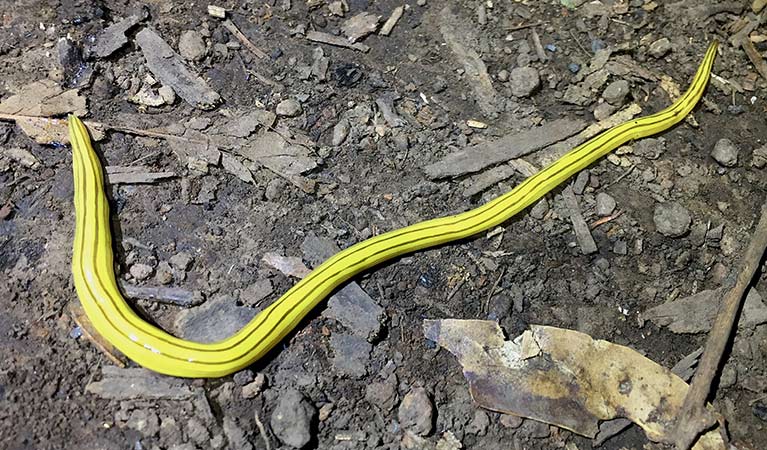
[151, 347]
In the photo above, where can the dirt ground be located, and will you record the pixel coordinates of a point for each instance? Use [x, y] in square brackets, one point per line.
[363, 126]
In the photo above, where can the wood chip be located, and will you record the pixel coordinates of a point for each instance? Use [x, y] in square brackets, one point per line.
[359, 26]
[169, 68]
[44, 98]
[326, 38]
[244, 39]
[111, 38]
[392, 21]
[581, 229]
[217, 11]
[478, 157]
[135, 175]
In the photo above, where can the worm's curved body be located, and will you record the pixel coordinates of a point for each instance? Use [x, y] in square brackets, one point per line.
[151, 347]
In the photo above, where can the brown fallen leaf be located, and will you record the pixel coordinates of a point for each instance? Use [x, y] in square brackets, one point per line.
[574, 381]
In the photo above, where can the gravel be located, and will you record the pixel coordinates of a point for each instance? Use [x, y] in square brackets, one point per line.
[672, 219]
[141, 271]
[615, 92]
[660, 48]
[605, 204]
[289, 108]
[725, 153]
[416, 412]
[292, 419]
[524, 81]
[191, 46]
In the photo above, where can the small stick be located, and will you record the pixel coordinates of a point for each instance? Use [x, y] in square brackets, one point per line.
[538, 47]
[524, 25]
[262, 430]
[244, 39]
[694, 418]
[604, 220]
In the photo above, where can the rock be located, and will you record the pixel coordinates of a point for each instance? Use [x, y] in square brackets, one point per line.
[382, 394]
[671, 219]
[660, 48]
[479, 423]
[524, 81]
[256, 292]
[416, 412]
[255, 387]
[288, 108]
[604, 110]
[615, 92]
[340, 131]
[511, 421]
[759, 157]
[145, 421]
[605, 204]
[503, 76]
[359, 26]
[216, 319]
[235, 435]
[191, 46]
[350, 354]
[243, 377]
[293, 418]
[540, 209]
[167, 94]
[620, 247]
[164, 274]
[140, 271]
[181, 261]
[196, 431]
[725, 153]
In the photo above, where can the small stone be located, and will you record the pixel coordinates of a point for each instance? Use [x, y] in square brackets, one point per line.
[615, 92]
[382, 394]
[289, 108]
[325, 411]
[660, 48]
[759, 157]
[511, 421]
[524, 81]
[140, 271]
[196, 431]
[671, 219]
[604, 110]
[479, 423]
[574, 68]
[416, 412]
[540, 209]
[181, 261]
[191, 46]
[605, 204]
[275, 188]
[243, 377]
[350, 354]
[164, 274]
[503, 75]
[144, 421]
[252, 389]
[340, 132]
[167, 94]
[292, 419]
[620, 247]
[725, 153]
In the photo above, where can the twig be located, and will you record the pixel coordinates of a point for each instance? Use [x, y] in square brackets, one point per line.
[694, 418]
[244, 39]
[604, 220]
[524, 25]
[262, 430]
[492, 290]
[538, 47]
[623, 175]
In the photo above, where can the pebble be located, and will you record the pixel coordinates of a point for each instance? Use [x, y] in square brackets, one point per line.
[605, 204]
[140, 271]
[574, 68]
[759, 157]
[289, 108]
[479, 423]
[181, 261]
[416, 412]
[164, 274]
[604, 110]
[503, 75]
[671, 219]
[340, 132]
[191, 46]
[196, 431]
[620, 247]
[524, 81]
[660, 48]
[615, 92]
[350, 354]
[511, 421]
[252, 389]
[725, 153]
[144, 421]
[292, 418]
[382, 394]
[243, 377]
[540, 209]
